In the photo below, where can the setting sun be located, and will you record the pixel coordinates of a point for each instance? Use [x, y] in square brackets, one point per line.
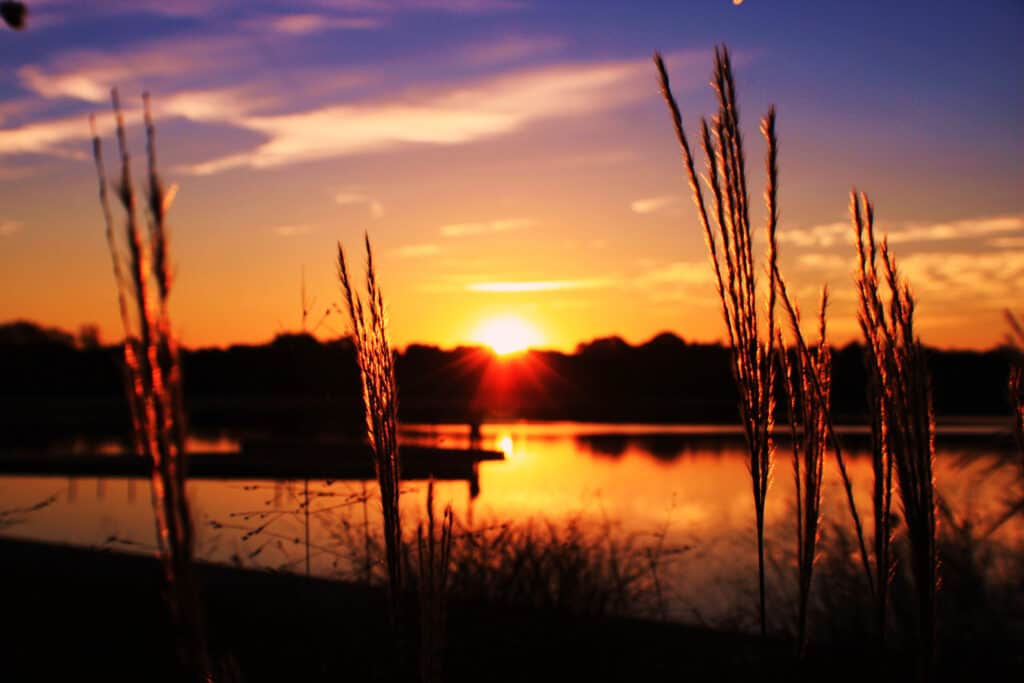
[507, 334]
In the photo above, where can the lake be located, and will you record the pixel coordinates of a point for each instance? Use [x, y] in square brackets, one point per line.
[683, 489]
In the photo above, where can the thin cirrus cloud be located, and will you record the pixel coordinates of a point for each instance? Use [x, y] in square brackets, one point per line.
[292, 230]
[824, 261]
[832, 234]
[994, 279]
[485, 227]
[451, 116]
[88, 75]
[54, 10]
[309, 23]
[818, 236]
[52, 137]
[652, 204]
[8, 228]
[511, 48]
[963, 229]
[677, 273]
[418, 250]
[536, 286]
[374, 207]
[62, 137]
[1007, 242]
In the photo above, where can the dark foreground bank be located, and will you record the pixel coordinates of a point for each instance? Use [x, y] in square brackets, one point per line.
[75, 614]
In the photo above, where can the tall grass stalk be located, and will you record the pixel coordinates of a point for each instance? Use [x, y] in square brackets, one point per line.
[154, 377]
[1015, 341]
[380, 399]
[808, 384]
[434, 550]
[882, 471]
[730, 242]
[896, 361]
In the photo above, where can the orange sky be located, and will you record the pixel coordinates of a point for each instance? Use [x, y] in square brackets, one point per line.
[513, 160]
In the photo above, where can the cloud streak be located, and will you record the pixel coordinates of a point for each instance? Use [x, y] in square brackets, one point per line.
[454, 115]
[292, 230]
[375, 208]
[536, 286]
[485, 227]
[832, 234]
[652, 204]
[8, 228]
[410, 251]
[329, 121]
[303, 24]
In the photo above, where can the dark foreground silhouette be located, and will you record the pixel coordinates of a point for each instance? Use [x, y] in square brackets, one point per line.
[55, 384]
[75, 614]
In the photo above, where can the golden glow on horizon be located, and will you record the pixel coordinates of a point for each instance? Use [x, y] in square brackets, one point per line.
[507, 334]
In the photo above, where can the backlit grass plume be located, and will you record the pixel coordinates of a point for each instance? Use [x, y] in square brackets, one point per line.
[751, 328]
[896, 364]
[380, 399]
[808, 383]
[1015, 342]
[434, 550]
[153, 376]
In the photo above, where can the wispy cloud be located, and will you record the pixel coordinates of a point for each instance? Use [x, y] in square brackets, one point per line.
[537, 286]
[52, 137]
[292, 230]
[88, 75]
[512, 48]
[375, 208]
[963, 229]
[485, 227]
[9, 227]
[320, 121]
[832, 234]
[309, 23]
[1007, 242]
[824, 261]
[995, 278]
[452, 116]
[418, 250]
[461, 6]
[818, 236]
[652, 204]
[678, 273]
[53, 10]
[680, 281]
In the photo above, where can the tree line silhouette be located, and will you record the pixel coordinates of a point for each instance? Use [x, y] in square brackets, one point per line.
[295, 383]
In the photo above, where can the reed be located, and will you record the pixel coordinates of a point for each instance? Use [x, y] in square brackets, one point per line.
[881, 490]
[380, 399]
[729, 241]
[817, 390]
[434, 550]
[808, 383]
[896, 361]
[153, 377]
[1015, 342]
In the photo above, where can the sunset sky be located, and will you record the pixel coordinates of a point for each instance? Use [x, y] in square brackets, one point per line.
[511, 160]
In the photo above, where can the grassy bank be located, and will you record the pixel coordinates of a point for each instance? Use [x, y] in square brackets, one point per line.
[89, 615]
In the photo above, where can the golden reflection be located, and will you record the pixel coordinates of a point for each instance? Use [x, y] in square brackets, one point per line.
[506, 445]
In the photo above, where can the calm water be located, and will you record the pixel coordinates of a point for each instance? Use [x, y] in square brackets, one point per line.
[687, 485]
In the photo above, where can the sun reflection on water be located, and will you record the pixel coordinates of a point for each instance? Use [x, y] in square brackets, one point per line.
[506, 445]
